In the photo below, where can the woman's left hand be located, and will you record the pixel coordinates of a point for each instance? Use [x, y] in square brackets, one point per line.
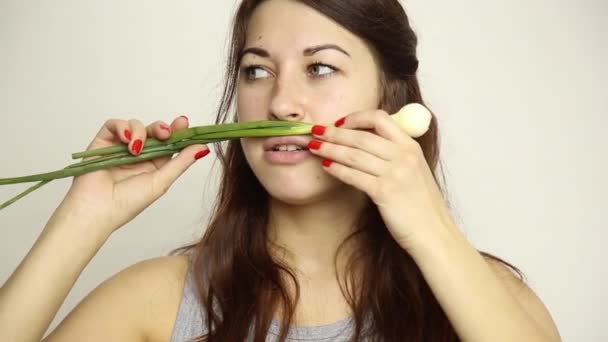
[390, 167]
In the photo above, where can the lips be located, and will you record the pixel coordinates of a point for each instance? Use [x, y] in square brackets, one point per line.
[286, 158]
[270, 143]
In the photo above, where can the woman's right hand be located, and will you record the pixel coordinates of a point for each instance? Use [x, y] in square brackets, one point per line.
[110, 198]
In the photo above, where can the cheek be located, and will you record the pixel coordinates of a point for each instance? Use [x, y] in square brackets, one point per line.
[338, 101]
[252, 151]
[329, 101]
[250, 106]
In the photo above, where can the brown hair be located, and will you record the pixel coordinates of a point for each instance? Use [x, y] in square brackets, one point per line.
[240, 284]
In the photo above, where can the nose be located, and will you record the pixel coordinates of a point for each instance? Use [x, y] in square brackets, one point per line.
[287, 101]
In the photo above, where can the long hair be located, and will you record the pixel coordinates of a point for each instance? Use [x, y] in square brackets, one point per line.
[241, 286]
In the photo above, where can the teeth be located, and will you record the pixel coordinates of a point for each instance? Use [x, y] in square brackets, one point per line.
[288, 148]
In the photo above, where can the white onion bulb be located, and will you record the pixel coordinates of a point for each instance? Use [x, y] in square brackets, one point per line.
[414, 118]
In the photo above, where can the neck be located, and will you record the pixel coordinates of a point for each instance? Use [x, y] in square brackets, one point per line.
[308, 236]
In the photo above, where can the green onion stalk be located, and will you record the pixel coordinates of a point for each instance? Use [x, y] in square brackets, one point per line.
[413, 118]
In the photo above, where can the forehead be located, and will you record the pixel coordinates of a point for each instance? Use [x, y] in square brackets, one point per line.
[280, 24]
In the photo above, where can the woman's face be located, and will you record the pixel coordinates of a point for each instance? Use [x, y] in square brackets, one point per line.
[299, 65]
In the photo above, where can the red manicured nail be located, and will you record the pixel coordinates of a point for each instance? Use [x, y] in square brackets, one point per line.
[165, 127]
[201, 154]
[318, 130]
[128, 134]
[137, 145]
[340, 122]
[315, 144]
[327, 162]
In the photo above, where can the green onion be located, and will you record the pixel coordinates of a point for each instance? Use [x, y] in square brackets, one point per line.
[413, 118]
[119, 155]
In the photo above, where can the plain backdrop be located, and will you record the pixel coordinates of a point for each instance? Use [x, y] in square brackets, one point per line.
[519, 88]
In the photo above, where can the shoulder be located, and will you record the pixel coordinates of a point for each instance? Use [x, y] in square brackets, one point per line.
[139, 303]
[165, 271]
[525, 296]
[162, 280]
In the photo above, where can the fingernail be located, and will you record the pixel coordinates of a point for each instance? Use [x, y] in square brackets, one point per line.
[315, 144]
[128, 134]
[165, 127]
[327, 162]
[185, 117]
[318, 130]
[340, 122]
[201, 154]
[137, 145]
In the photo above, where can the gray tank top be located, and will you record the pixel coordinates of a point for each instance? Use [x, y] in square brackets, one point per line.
[189, 323]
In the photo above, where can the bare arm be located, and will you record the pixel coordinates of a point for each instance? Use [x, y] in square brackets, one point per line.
[32, 295]
[139, 303]
[483, 300]
[97, 204]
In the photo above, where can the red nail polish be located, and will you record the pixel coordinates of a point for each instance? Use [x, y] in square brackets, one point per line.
[318, 130]
[315, 144]
[137, 145]
[340, 122]
[201, 154]
[128, 134]
[327, 162]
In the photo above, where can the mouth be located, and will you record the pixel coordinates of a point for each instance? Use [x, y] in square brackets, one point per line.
[288, 150]
[286, 144]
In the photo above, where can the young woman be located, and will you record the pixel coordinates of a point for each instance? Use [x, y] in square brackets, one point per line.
[348, 239]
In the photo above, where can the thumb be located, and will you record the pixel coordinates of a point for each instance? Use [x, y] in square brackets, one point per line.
[173, 169]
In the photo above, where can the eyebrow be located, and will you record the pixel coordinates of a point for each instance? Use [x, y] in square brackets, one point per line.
[314, 49]
[307, 52]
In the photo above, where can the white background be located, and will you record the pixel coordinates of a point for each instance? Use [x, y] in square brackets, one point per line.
[519, 88]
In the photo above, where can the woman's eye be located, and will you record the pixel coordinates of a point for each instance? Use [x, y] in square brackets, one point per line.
[321, 70]
[254, 73]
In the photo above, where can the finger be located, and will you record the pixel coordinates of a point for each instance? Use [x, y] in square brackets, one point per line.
[172, 170]
[350, 176]
[378, 120]
[139, 135]
[159, 130]
[362, 140]
[177, 124]
[112, 132]
[351, 157]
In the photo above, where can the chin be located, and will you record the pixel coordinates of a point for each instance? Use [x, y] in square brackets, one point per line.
[293, 188]
[295, 196]
[298, 186]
